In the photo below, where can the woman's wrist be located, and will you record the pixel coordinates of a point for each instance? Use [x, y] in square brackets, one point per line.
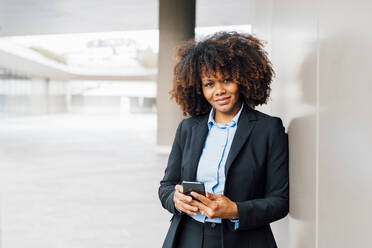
[234, 211]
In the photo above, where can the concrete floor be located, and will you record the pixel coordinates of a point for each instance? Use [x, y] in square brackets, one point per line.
[79, 181]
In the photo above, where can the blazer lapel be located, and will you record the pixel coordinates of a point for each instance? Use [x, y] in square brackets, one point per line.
[245, 125]
[199, 134]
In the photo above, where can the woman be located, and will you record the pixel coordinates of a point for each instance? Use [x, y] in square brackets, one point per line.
[240, 154]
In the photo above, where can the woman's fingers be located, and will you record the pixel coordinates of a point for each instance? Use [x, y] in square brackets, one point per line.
[206, 210]
[201, 198]
[203, 205]
[188, 207]
[211, 196]
[210, 205]
[182, 202]
[185, 207]
[182, 197]
[178, 188]
[200, 206]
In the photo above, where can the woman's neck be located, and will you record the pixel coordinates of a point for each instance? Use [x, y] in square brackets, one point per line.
[223, 118]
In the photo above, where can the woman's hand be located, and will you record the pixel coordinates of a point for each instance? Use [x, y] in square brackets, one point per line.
[183, 202]
[216, 206]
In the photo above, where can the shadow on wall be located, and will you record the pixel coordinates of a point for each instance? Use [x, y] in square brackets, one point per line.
[345, 140]
[302, 158]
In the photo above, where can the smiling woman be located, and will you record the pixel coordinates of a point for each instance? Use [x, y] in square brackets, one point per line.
[238, 153]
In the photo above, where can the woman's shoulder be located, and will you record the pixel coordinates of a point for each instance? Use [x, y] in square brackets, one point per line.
[185, 127]
[189, 122]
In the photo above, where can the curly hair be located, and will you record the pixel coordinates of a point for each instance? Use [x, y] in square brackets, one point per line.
[239, 55]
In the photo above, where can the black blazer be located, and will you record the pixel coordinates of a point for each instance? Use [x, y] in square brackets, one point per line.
[256, 172]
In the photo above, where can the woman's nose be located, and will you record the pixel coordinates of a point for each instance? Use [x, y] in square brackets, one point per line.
[220, 88]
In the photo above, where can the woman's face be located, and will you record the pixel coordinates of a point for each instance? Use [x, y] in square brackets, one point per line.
[222, 93]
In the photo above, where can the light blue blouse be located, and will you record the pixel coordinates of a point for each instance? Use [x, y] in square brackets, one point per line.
[211, 167]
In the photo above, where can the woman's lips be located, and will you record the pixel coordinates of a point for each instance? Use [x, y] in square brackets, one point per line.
[224, 100]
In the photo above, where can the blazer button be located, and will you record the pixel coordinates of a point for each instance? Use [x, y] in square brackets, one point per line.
[213, 225]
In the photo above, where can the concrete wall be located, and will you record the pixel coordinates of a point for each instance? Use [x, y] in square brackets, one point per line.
[323, 91]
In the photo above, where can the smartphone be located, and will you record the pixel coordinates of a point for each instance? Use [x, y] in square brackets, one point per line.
[197, 187]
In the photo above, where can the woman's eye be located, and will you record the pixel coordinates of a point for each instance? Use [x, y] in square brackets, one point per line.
[226, 80]
[208, 84]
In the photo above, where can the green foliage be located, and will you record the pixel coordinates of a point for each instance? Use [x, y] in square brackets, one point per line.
[50, 55]
[148, 59]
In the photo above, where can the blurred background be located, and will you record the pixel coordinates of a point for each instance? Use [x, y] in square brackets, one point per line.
[86, 123]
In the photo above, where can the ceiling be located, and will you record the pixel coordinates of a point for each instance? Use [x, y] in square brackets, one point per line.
[31, 17]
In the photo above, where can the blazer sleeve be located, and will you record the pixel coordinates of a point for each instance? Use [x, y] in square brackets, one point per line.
[172, 174]
[275, 204]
